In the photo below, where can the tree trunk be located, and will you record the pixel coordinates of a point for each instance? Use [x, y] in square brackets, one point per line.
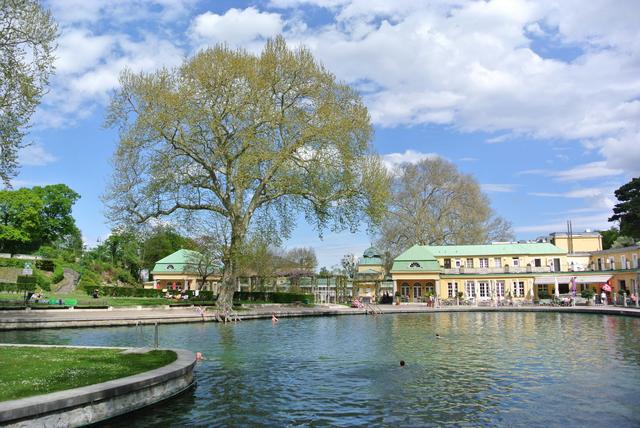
[230, 275]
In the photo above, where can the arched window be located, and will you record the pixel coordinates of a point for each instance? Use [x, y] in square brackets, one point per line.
[170, 267]
[405, 289]
[430, 287]
[414, 265]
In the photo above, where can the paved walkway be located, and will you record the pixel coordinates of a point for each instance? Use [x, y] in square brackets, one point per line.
[36, 319]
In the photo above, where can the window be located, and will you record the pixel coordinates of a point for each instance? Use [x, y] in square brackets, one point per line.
[170, 267]
[430, 288]
[414, 265]
[600, 263]
[634, 263]
[623, 262]
[542, 288]
[497, 262]
[537, 262]
[484, 263]
[417, 291]
[612, 263]
[470, 289]
[452, 289]
[518, 289]
[484, 289]
[447, 263]
[458, 263]
[515, 261]
[623, 284]
[500, 288]
[469, 263]
[405, 290]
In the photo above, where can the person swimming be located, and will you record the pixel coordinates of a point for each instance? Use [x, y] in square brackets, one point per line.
[401, 363]
[274, 319]
[437, 336]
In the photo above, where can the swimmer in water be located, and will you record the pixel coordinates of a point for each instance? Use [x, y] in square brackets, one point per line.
[437, 336]
[274, 319]
[401, 363]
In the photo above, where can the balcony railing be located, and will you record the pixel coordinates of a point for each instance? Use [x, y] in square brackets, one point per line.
[503, 269]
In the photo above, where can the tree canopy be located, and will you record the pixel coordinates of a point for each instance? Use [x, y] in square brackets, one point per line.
[27, 43]
[432, 203]
[627, 210]
[31, 218]
[252, 141]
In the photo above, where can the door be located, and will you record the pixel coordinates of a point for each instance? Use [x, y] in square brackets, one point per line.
[556, 265]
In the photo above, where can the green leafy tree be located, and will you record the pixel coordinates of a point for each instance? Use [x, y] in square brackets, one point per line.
[627, 210]
[20, 220]
[609, 237]
[27, 43]
[162, 241]
[432, 203]
[623, 241]
[57, 222]
[250, 141]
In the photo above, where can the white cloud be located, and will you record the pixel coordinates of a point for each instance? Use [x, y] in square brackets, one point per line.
[581, 172]
[601, 198]
[498, 188]
[595, 222]
[468, 159]
[235, 26]
[35, 155]
[393, 160]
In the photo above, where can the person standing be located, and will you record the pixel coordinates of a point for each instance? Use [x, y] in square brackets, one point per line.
[603, 298]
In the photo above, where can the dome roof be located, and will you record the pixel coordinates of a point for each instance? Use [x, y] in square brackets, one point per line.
[372, 252]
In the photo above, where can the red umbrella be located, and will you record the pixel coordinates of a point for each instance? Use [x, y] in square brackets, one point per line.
[606, 287]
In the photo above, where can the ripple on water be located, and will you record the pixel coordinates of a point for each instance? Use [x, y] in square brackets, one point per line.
[488, 369]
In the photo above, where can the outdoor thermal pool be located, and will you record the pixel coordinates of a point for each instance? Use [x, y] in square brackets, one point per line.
[508, 369]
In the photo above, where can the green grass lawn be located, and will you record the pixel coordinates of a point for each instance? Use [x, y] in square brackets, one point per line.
[27, 371]
[85, 300]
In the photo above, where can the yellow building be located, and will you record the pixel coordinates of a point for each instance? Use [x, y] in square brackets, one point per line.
[184, 270]
[580, 242]
[515, 271]
[622, 264]
[369, 276]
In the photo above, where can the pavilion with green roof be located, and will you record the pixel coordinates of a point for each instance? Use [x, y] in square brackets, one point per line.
[185, 270]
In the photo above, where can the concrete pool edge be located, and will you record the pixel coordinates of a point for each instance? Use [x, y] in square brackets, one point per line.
[98, 402]
[115, 318]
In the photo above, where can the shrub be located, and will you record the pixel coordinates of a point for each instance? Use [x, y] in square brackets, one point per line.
[122, 291]
[58, 275]
[273, 297]
[46, 265]
[588, 293]
[543, 294]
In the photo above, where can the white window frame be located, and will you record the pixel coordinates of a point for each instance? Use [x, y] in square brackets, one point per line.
[500, 288]
[518, 289]
[515, 261]
[497, 262]
[623, 262]
[452, 289]
[468, 263]
[470, 288]
[484, 290]
[634, 261]
[484, 262]
[458, 263]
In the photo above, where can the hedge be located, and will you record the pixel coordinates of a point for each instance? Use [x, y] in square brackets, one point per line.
[277, 297]
[47, 265]
[122, 291]
[17, 288]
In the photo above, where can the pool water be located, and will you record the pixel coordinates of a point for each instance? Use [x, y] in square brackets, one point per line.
[486, 369]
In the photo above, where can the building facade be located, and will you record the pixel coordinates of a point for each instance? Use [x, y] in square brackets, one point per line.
[515, 271]
[182, 271]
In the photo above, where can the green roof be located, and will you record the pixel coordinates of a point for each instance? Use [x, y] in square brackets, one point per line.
[536, 248]
[177, 262]
[424, 256]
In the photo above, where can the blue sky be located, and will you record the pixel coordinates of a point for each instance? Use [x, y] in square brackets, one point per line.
[540, 101]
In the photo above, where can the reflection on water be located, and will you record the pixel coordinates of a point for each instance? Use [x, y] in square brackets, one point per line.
[509, 369]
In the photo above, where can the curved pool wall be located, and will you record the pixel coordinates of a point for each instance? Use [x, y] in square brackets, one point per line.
[98, 402]
[488, 368]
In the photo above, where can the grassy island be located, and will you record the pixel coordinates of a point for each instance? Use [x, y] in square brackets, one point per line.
[27, 371]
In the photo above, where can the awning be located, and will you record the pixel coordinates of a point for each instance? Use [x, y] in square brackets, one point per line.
[566, 279]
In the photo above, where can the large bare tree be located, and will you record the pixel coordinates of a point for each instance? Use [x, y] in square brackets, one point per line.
[432, 203]
[27, 43]
[252, 141]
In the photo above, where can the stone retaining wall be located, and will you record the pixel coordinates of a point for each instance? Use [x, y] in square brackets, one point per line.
[95, 403]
